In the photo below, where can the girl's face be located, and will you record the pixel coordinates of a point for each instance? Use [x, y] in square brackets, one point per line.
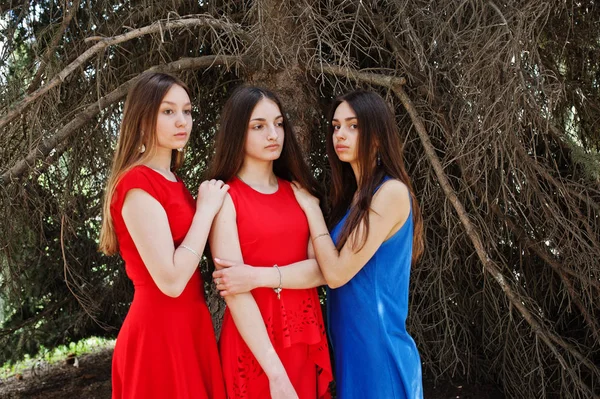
[174, 121]
[265, 136]
[345, 133]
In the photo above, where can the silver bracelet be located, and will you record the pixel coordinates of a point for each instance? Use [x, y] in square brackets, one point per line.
[192, 251]
[278, 289]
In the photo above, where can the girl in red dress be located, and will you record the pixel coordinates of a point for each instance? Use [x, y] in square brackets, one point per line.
[166, 347]
[273, 342]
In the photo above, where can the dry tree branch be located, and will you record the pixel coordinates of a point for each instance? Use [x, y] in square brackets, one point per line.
[489, 265]
[157, 27]
[371, 78]
[537, 248]
[50, 49]
[47, 145]
[550, 339]
[542, 252]
[552, 130]
[537, 167]
[86, 303]
[43, 166]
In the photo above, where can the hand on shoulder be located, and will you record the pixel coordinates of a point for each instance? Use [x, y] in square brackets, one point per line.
[305, 199]
[211, 195]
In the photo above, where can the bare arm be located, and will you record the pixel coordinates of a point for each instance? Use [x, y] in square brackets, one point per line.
[146, 220]
[389, 210]
[224, 243]
[235, 277]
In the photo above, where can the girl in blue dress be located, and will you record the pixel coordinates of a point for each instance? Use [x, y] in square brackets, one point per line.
[376, 235]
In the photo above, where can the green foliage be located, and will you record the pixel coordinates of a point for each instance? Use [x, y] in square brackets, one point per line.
[46, 356]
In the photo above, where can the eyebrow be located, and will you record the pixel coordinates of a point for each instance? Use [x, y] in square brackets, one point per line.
[172, 103]
[264, 120]
[347, 119]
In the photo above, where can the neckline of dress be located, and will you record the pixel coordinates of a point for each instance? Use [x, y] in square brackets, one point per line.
[161, 175]
[258, 192]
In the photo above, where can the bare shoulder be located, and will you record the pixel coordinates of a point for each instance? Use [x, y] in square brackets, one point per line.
[392, 198]
[392, 190]
[227, 209]
[139, 199]
[229, 202]
[142, 210]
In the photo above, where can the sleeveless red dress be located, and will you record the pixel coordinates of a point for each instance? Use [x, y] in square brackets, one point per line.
[166, 347]
[273, 229]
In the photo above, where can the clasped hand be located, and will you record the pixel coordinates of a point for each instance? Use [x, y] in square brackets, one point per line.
[234, 277]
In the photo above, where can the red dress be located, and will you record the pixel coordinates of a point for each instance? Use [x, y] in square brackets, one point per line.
[273, 229]
[166, 347]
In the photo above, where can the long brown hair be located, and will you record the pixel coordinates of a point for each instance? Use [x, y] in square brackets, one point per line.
[377, 128]
[230, 141]
[138, 128]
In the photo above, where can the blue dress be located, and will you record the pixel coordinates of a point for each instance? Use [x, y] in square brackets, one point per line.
[374, 355]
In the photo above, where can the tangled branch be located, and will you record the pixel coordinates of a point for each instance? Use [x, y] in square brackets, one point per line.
[102, 44]
[49, 144]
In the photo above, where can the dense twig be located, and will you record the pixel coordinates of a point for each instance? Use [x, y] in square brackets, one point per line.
[501, 142]
[102, 44]
[92, 110]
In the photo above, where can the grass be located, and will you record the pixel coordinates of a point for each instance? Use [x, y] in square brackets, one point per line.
[46, 357]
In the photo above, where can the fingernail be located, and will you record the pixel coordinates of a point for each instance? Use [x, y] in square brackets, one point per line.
[217, 259]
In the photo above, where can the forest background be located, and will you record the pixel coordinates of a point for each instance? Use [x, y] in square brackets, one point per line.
[498, 104]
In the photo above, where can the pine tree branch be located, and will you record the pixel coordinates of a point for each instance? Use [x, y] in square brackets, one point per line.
[366, 77]
[52, 47]
[103, 43]
[550, 339]
[47, 145]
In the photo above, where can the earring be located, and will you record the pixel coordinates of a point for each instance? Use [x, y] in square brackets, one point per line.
[180, 149]
[378, 159]
[142, 149]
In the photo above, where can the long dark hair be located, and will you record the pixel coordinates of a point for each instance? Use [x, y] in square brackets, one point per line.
[230, 141]
[377, 128]
[138, 128]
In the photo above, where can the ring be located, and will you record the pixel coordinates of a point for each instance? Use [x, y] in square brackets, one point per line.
[218, 281]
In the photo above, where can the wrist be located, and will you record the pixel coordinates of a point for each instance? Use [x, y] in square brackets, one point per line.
[265, 277]
[274, 370]
[258, 277]
[203, 212]
[279, 286]
[317, 236]
[312, 207]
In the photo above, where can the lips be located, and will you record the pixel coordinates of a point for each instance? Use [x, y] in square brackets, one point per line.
[272, 146]
[181, 135]
[341, 147]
